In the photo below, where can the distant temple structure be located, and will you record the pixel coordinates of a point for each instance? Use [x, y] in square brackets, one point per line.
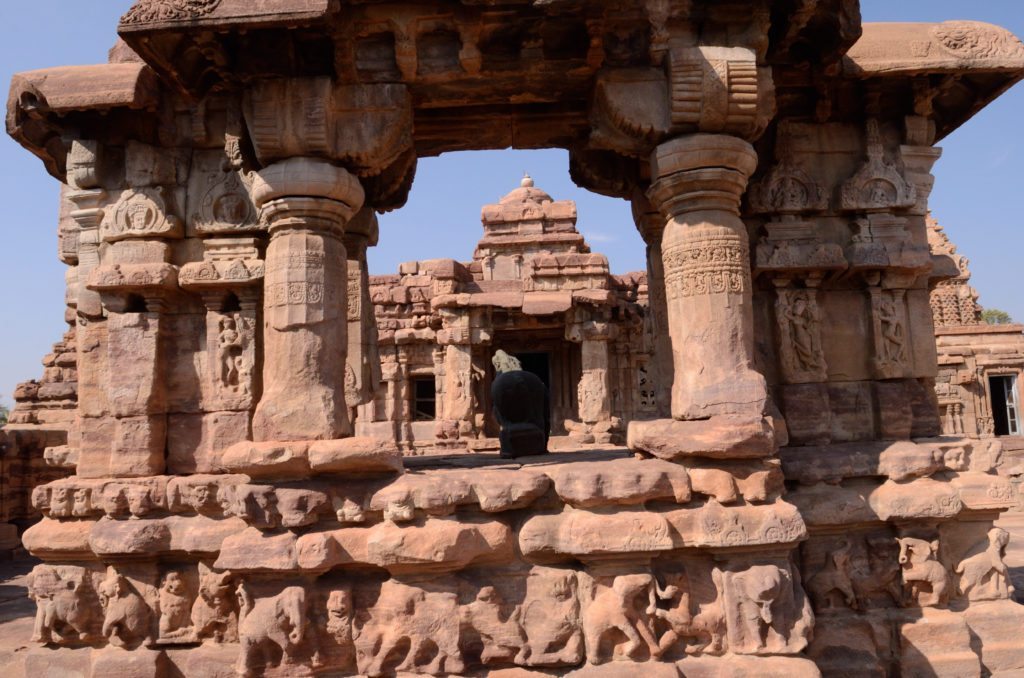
[533, 289]
[980, 364]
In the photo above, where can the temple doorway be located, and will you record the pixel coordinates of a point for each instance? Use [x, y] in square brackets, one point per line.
[555, 360]
[539, 363]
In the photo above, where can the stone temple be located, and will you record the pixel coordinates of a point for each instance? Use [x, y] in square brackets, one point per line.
[253, 458]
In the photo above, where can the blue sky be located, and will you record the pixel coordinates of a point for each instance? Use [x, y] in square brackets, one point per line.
[977, 190]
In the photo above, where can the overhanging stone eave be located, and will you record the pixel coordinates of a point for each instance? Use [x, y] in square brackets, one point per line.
[223, 14]
[40, 102]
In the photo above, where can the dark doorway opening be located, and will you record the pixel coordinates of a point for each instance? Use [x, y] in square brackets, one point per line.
[538, 363]
[1005, 406]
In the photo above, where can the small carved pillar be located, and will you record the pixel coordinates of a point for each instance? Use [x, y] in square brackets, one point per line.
[457, 406]
[362, 372]
[306, 203]
[699, 180]
[594, 401]
[593, 396]
[88, 197]
[651, 225]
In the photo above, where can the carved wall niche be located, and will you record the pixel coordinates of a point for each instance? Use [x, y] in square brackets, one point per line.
[879, 191]
[219, 202]
[787, 194]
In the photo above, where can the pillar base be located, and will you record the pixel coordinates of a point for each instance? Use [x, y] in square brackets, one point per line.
[724, 437]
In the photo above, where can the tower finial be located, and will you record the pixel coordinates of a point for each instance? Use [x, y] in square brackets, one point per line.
[527, 181]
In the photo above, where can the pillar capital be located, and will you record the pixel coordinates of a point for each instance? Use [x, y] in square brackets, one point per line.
[648, 219]
[700, 172]
[307, 193]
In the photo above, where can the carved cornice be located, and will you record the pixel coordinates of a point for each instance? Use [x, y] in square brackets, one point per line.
[150, 11]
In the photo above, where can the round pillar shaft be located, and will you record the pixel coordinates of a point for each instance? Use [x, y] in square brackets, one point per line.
[705, 254]
[306, 203]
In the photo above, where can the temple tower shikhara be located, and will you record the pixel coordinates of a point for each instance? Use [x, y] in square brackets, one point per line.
[252, 494]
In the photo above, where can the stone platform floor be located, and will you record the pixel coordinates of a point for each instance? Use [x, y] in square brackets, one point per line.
[17, 614]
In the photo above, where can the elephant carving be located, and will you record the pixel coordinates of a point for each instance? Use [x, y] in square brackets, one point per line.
[409, 629]
[270, 629]
[923, 575]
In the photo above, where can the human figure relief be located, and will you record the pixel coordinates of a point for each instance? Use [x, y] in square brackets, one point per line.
[498, 629]
[270, 629]
[625, 606]
[214, 615]
[175, 609]
[833, 578]
[984, 576]
[335, 647]
[924, 577]
[127, 616]
[894, 348]
[229, 346]
[803, 322]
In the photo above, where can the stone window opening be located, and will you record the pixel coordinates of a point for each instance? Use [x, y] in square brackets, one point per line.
[424, 398]
[1005, 404]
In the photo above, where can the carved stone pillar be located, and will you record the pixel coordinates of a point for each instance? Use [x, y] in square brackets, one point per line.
[594, 401]
[651, 225]
[699, 180]
[362, 372]
[306, 203]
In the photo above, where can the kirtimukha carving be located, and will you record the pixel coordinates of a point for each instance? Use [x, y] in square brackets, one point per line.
[215, 610]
